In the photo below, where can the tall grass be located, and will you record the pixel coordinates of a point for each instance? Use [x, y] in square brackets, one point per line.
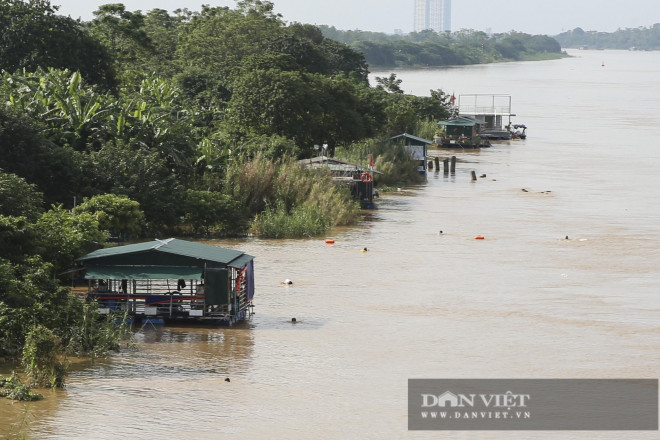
[301, 221]
[252, 183]
[289, 201]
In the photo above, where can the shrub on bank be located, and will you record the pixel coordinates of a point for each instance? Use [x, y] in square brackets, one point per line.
[301, 221]
[95, 335]
[41, 358]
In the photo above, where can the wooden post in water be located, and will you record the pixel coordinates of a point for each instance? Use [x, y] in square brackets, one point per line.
[474, 176]
[437, 163]
[430, 167]
[453, 164]
[445, 166]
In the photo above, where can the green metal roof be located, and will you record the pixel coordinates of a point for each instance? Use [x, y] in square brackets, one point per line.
[171, 246]
[143, 273]
[241, 261]
[459, 122]
[411, 137]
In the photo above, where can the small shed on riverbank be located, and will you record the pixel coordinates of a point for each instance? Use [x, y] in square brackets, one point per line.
[417, 147]
[172, 280]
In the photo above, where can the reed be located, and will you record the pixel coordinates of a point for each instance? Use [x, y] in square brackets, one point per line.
[251, 183]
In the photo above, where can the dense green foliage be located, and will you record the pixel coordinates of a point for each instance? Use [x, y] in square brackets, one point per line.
[30, 293]
[642, 38]
[19, 198]
[153, 124]
[428, 48]
[229, 85]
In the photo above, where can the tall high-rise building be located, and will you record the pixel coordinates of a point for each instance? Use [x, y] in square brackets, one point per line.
[433, 14]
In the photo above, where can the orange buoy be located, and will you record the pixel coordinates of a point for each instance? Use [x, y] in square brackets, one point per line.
[479, 237]
[330, 241]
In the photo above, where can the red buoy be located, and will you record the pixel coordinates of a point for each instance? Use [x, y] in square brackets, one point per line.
[479, 237]
[330, 241]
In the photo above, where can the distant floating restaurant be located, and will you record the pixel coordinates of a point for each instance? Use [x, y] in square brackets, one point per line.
[490, 110]
[479, 118]
[171, 281]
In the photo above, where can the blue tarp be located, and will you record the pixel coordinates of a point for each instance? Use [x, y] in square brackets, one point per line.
[250, 280]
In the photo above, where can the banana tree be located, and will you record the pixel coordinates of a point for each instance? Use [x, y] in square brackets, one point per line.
[73, 112]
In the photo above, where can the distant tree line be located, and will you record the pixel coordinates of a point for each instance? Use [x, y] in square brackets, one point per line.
[429, 49]
[641, 38]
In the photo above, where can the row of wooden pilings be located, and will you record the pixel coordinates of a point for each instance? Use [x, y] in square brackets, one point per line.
[446, 167]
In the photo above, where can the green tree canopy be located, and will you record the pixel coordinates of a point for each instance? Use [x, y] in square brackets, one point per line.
[641, 38]
[428, 48]
[19, 198]
[32, 35]
[119, 215]
[220, 38]
[64, 236]
[274, 102]
[17, 238]
[123, 33]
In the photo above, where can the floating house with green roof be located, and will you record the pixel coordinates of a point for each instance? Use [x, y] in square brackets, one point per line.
[171, 280]
[461, 132]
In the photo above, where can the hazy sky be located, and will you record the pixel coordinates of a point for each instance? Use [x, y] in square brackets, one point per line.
[531, 16]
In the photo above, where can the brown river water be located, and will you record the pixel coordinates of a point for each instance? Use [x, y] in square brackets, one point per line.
[525, 302]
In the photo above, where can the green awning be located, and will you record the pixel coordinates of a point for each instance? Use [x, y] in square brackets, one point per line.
[458, 123]
[143, 273]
